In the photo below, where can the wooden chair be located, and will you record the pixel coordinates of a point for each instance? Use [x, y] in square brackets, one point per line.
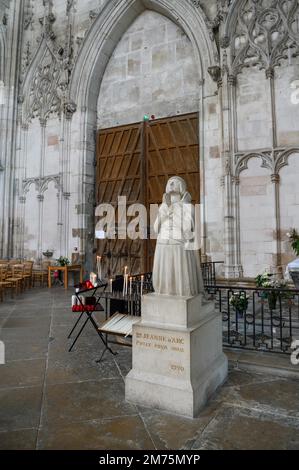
[13, 262]
[40, 274]
[4, 283]
[28, 275]
[17, 277]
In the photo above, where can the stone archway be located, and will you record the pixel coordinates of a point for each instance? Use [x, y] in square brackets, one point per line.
[96, 51]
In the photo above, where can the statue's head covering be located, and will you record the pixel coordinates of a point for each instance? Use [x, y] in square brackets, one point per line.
[176, 183]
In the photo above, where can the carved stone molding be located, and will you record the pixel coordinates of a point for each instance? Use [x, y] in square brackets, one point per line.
[215, 73]
[270, 72]
[275, 178]
[281, 157]
[232, 80]
[271, 159]
[69, 109]
[261, 33]
[46, 74]
[41, 184]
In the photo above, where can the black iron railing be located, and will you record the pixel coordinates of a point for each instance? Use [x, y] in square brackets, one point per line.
[209, 272]
[257, 318]
[253, 318]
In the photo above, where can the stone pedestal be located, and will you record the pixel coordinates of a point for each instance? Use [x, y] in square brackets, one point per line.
[178, 361]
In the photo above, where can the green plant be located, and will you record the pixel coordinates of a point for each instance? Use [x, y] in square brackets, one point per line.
[294, 240]
[62, 261]
[264, 280]
[239, 301]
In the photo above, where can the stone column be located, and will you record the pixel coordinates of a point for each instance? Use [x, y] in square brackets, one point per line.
[238, 266]
[270, 75]
[275, 178]
[9, 118]
[202, 172]
[40, 198]
[225, 97]
[22, 198]
[68, 110]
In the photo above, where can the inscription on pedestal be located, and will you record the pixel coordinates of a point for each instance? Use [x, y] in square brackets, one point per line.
[164, 343]
[160, 342]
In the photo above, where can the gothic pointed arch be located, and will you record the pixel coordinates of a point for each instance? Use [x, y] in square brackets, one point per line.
[111, 24]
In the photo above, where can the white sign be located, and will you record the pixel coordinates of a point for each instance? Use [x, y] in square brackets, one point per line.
[2, 353]
[295, 353]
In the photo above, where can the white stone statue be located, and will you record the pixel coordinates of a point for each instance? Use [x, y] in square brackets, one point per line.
[176, 268]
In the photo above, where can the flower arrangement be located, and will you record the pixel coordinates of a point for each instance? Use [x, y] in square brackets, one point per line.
[62, 261]
[267, 281]
[264, 280]
[293, 237]
[239, 301]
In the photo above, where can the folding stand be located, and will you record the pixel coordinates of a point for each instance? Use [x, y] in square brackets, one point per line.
[126, 307]
[89, 314]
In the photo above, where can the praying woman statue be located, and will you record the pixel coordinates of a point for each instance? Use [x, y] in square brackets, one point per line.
[177, 269]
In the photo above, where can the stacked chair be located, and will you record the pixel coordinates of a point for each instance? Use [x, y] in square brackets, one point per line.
[40, 274]
[15, 277]
[5, 285]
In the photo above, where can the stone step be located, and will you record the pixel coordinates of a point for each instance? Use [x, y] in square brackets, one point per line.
[262, 362]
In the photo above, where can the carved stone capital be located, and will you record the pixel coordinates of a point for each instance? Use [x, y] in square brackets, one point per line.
[43, 122]
[232, 80]
[40, 197]
[215, 73]
[22, 200]
[270, 72]
[275, 178]
[69, 109]
[25, 126]
[66, 195]
[224, 42]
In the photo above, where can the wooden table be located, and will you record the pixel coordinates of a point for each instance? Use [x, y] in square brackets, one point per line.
[66, 270]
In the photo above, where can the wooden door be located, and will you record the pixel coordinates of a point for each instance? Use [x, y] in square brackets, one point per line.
[172, 149]
[136, 161]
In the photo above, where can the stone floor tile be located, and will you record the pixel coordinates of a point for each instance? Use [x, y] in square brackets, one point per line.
[22, 373]
[122, 433]
[174, 432]
[24, 439]
[79, 365]
[242, 429]
[20, 408]
[280, 396]
[21, 348]
[82, 401]
[36, 322]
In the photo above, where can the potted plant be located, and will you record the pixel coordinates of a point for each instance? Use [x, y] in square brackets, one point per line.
[293, 267]
[239, 301]
[62, 261]
[266, 281]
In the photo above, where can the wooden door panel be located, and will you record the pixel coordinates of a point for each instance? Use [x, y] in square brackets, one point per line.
[136, 161]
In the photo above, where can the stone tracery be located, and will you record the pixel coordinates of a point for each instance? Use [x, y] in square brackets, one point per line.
[262, 33]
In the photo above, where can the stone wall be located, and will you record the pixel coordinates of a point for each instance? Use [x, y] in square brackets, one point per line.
[198, 57]
[152, 71]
